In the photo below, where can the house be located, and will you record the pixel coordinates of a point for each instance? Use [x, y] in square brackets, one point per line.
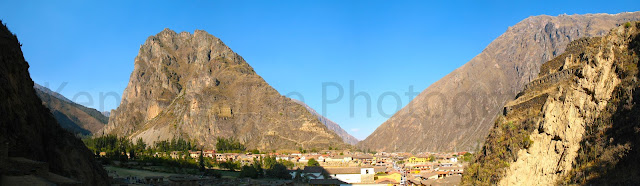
[387, 181]
[245, 159]
[322, 158]
[286, 158]
[453, 159]
[364, 159]
[395, 176]
[194, 154]
[221, 157]
[226, 157]
[381, 161]
[443, 174]
[338, 158]
[160, 154]
[209, 153]
[452, 169]
[176, 154]
[422, 167]
[429, 175]
[416, 160]
[352, 174]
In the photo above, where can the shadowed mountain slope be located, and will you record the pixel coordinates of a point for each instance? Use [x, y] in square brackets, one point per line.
[28, 129]
[71, 116]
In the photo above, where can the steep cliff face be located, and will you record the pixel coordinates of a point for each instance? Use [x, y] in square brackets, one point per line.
[193, 86]
[457, 111]
[539, 139]
[333, 126]
[28, 128]
[71, 116]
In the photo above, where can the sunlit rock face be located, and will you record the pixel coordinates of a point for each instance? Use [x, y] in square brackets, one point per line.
[193, 86]
[456, 112]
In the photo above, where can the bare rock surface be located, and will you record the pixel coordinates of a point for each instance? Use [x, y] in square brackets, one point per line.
[191, 85]
[346, 137]
[571, 94]
[458, 111]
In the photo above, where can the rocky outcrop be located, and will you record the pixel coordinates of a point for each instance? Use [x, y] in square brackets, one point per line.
[458, 111]
[27, 128]
[333, 126]
[193, 86]
[71, 116]
[570, 95]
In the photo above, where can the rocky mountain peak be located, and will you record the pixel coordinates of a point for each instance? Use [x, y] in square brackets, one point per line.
[457, 111]
[196, 87]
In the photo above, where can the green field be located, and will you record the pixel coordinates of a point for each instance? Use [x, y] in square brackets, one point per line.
[123, 172]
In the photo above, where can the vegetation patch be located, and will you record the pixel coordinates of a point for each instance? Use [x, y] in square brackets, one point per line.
[500, 149]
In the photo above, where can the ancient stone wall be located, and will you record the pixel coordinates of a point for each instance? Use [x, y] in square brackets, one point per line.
[552, 78]
[534, 103]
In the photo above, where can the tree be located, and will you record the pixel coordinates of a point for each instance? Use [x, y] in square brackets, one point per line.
[269, 162]
[229, 165]
[258, 166]
[298, 176]
[140, 145]
[279, 171]
[248, 171]
[302, 150]
[432, 158]
[132, 154]
[313, 162]
[287, 163]
[467, 157]
[201, 161]
[229, 145]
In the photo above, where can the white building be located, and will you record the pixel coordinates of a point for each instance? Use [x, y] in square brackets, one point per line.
[352, 174]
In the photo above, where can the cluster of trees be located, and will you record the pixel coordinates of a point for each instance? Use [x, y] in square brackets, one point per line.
[466, 157]
[117, 148]
[229, 145]
[267, 167]
[312, 162]
[178, 144]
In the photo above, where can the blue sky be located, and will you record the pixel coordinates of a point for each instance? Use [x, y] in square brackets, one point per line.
[383, 47]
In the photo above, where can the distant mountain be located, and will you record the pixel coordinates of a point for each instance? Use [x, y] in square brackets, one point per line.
[576, 124]
[28, 131]
[195, 87]
[71, 116]
[346, 137]
[106, 113]
[457, 111]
